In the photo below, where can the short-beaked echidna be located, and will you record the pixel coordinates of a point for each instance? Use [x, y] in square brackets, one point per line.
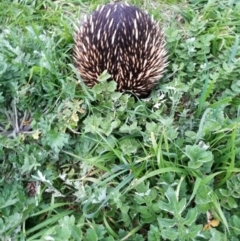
[126, 42]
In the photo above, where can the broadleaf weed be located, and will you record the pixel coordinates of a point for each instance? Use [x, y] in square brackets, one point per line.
[95, 164]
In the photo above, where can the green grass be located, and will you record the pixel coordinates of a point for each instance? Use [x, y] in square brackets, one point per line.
[95, 164]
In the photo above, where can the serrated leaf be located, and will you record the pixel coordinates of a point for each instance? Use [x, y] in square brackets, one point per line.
[191, 217]
[165, 206]
[198, 156]
[105, 87]
[112, 86]
[235, 224]
[224, 192]
[216, 235]
[91, 235]
[173, 206]
[57, 140]
[104, 76]
[166, 222]
[203, 195]
[194, 231]
[154, 233]
[229, 203]
[129, 128]
[92, 124]
[173, 235]
[4, 204]
[129, 146]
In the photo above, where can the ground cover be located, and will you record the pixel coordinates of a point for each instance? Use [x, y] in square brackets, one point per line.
[95, 164]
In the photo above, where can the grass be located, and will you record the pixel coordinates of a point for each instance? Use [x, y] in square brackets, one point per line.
[95, 164]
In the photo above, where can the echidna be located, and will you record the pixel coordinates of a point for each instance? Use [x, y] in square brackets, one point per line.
[126, 42]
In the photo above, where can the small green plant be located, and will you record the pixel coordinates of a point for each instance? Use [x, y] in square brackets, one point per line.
[95, 164]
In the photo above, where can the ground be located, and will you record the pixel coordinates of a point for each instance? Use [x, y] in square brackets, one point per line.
[94, 164]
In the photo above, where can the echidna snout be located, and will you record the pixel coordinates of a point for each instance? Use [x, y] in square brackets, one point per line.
[126, 42]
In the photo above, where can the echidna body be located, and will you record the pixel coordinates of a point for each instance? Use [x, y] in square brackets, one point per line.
[126, 42]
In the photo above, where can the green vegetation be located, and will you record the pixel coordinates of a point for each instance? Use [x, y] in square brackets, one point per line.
[95, 164]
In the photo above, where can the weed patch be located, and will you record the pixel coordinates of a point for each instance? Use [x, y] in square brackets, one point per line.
[95, 164]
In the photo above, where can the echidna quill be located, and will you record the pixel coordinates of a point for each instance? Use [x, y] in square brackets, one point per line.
[126, 42]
